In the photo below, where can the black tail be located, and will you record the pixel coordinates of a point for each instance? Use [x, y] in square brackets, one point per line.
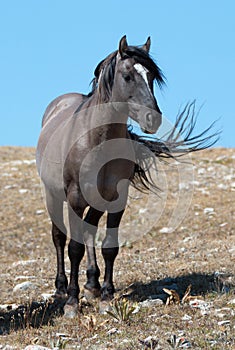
[176, 143]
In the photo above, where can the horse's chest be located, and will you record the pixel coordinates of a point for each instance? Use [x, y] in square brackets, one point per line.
[107, 184]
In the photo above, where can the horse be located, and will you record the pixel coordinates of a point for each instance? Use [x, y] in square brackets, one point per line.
[87, 157]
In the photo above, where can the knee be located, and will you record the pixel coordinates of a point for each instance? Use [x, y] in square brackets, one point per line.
[110, 253]
[76, 249]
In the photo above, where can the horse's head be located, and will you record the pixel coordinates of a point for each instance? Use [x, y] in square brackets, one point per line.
[134, 77]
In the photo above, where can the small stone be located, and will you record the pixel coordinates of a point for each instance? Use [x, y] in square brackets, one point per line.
[166, 230]
[39, 211]
[222, 323]
[23, 190]
[23, 262]
[186, 318]
[113, 331]
[24, 286]
[36, 347]
[151, 302]
[47, 296]
[232, 301]
[208, 210]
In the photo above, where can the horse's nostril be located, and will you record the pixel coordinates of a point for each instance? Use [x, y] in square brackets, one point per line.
[148, 118]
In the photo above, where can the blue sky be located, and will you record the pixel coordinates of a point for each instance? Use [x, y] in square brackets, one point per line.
[50, 47]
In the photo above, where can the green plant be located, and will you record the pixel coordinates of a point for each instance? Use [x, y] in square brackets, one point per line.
[122, 310]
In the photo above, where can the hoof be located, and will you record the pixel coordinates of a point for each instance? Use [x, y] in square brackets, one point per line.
[70, 311]
[104, 306]
[91, 294]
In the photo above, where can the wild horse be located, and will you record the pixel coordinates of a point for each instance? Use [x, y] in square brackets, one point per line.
[87, 156]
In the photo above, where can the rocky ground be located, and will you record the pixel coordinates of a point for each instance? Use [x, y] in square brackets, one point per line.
[183, 236]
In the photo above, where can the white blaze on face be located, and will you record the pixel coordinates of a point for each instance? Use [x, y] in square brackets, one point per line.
[143, 72]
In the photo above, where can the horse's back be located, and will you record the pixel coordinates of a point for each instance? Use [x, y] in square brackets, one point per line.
[49, 154]
[60, 104]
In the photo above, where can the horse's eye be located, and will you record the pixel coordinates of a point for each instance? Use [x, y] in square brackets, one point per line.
[127, 78]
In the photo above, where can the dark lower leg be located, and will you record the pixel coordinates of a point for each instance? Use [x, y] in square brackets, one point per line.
[93, 272]
[110, 249]
[76, 252]
[109, 255]
[59, 239]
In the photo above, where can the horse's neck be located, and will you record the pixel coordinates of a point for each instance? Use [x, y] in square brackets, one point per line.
[106, 118]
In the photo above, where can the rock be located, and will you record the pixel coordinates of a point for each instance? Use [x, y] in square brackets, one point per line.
[39, 212]
[151, 302]
[36, 347]
[24, 286]
[23, 190]
[166, 230]
[22, 277]
[232, 302]
[208, 210]
[149, 342]
[186, 318]
[23, 262]
[47, 296]
[222, 323]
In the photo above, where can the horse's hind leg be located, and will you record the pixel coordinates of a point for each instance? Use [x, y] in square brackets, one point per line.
[92, 287]
[55, 209]
[76, 250]
[61, 282]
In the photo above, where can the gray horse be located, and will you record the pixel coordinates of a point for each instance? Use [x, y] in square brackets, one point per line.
[87, 157]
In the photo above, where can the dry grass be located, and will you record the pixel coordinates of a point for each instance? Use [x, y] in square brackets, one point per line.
[201, 245]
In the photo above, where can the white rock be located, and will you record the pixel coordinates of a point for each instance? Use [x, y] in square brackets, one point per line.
[29, 162]
[222, 186]
[39, 211]
[208, 210]
[166, 230]
[24, 286]
[47, 296]
[36, 347]
[201, 171]
[23, 190]
[186, 318]
[231, 301]
[23, 277]
[23, 262]
[221, 323]
[151, 302]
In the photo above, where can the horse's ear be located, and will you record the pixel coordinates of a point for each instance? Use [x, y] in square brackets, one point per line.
[122, 46]
[146, 46]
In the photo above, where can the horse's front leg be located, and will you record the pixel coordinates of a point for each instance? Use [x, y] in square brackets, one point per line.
[110, 247]
[92, 287]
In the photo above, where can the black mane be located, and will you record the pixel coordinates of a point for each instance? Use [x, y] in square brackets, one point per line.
[105, 70]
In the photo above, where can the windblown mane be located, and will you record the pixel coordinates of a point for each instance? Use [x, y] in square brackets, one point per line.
[105, 70]
[178, 142]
